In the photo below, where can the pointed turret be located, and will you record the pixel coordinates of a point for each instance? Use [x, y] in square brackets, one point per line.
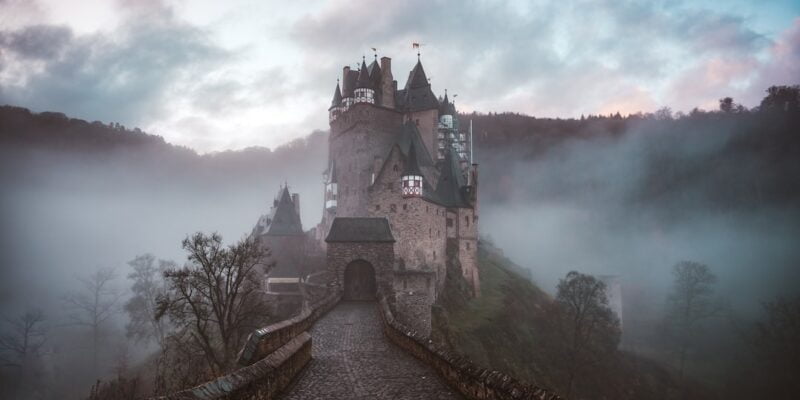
[336, 104]
[337, 97]
[412, 179]
[417, 77]
[364, 92]
[363, 77]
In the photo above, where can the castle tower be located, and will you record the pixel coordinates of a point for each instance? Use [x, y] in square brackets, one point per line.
[411, 179]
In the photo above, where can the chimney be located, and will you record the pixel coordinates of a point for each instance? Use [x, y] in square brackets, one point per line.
[296, 201]
[345, 80]
[387, 87]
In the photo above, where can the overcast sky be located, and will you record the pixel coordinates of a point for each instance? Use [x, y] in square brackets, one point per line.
[216, 75]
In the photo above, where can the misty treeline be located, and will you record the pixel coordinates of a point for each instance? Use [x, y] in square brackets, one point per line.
[734, 157]
[193, 318]
[581, 334]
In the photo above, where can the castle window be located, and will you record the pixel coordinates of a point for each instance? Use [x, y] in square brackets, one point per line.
[427, 209]
[405, 207]
[377, 207]
[438, 233]
[467, 245]
[395, 168]
[392, 208]
[430, 232]
[434, 255]
[405, 284]
[449, 222]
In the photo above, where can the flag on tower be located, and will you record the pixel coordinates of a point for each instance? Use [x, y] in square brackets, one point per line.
[414, 45]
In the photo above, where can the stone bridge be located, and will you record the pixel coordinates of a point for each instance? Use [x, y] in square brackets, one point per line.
[347, 344]
[359, 351]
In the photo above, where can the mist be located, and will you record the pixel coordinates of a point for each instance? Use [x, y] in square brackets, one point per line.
[629, 198]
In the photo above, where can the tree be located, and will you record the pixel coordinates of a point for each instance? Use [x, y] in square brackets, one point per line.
[214, 299]
[94, 305]
[726, 104]
[782, 98]
[588, 329]
[21, 344]
[690, 302]
[147, 286]
[777, 347]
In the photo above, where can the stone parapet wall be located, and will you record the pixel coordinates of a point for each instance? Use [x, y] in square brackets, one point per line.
[261, 380]
[469, 379]
[264, 341]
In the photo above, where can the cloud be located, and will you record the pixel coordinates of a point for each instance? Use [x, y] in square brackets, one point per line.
[120, 77]
[529, 59]
[154, 69]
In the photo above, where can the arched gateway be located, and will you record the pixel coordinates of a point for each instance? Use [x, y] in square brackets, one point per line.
[359, 281]
[360, 257]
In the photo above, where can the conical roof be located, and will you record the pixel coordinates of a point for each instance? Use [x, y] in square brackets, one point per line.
[363, 77]
[412, 166]
[284, 219]
[417, 77]
[337, 97]
[447, 108]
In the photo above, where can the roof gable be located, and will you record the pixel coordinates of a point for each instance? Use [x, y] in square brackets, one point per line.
[284, 219]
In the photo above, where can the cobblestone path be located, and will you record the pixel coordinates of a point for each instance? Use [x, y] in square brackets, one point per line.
[352, 359]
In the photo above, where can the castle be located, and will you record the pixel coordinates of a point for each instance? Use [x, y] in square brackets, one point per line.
[399, 185]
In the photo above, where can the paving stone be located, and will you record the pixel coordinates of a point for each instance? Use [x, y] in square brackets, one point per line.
[352, 359]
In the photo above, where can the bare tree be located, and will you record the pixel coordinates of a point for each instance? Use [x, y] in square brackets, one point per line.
[587, 328]
[94, 305]
[147, 286]
[21, 344]
[690, 302]
[214, 300]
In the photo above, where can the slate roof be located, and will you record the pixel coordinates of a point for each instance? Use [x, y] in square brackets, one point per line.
[447, 108]
[363, 77]
[337, 97]
[360, 229]
[449, 189]
[284, 219]
[412, 166]
[409, 134]
[417, 95]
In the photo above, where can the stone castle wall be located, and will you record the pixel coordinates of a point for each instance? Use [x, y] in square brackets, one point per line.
[357, 138]
[416, 224]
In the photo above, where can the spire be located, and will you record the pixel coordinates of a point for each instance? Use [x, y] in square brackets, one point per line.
[363, 77]
[337, 97]
[417, 77]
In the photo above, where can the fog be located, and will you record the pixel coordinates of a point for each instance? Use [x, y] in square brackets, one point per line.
[585, 203]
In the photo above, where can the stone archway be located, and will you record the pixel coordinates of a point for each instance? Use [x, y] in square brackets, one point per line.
[359, 281]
